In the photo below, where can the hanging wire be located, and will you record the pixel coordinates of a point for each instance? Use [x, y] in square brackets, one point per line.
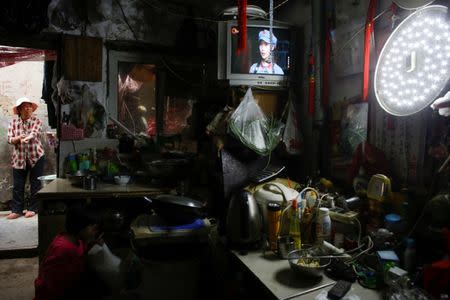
[126, 20]
[356, 33]
[281, 4]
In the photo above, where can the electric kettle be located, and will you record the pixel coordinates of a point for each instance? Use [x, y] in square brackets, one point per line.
[243, 221]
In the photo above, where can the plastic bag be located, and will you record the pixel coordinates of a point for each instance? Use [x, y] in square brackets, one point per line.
[106, 265]
[251, 126]
[292, 137]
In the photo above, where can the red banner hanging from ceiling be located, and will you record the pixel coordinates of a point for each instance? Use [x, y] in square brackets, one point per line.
[367, 37]
[242, 24]
[12, 55]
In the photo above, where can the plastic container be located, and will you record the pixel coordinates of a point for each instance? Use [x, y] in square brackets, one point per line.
[323, 225]
[409, 256]
[393, 223]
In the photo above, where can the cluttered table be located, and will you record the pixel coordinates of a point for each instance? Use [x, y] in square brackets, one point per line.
[55, 196]
[62, 188]
[277, 277]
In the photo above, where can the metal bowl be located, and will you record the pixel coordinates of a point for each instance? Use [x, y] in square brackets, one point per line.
[77, 177]
[304, 263]
[46, 179]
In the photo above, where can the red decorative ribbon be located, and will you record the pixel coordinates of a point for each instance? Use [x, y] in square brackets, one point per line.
[242, 25]
[311, 85]
[367, 36]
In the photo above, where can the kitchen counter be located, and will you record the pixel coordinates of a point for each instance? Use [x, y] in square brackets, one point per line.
[281, 283]
[61, 188]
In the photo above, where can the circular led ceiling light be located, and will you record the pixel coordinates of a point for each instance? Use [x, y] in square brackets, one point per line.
[412, 4]
[414, 65]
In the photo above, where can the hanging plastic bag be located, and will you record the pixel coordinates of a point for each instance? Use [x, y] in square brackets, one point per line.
[292, 138]
[251, 126]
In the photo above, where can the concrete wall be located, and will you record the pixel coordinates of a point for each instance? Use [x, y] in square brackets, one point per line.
[21, 79]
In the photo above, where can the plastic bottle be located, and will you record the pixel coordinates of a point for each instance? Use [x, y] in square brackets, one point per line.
[323, 225]
[93, 166]
[409, 256]
[73, 166]
[294, 225]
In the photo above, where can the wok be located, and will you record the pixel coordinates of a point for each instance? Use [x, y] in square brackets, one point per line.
[168, 168]
[177, 210]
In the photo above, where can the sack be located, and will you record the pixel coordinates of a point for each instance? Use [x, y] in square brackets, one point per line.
[251, 126]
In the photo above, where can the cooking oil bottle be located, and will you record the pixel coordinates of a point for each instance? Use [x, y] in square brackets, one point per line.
[294, 225]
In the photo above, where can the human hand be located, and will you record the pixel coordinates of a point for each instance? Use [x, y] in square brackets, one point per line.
[26, 139]
[443, 105]
[17, 139]
[99, 240]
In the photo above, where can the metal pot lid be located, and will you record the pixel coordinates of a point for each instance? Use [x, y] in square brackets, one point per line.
[168, 162]
[412, 4]
[179, 200]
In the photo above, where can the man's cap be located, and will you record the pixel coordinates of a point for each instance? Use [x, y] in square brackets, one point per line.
[265, 36]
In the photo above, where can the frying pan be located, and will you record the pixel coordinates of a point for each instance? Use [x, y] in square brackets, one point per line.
[177, 210]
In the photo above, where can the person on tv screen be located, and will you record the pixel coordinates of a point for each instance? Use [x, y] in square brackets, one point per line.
[266, 48]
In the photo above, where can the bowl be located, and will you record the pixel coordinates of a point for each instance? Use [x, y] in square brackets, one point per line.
[46, 179]
[307, 261]
[77, 177]
[122, 179]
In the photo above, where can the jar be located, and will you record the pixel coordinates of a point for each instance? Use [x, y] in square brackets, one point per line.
[273, 223]
[89, 182]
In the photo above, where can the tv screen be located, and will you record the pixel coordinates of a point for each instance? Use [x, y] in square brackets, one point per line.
[265, 53]
[266, 60]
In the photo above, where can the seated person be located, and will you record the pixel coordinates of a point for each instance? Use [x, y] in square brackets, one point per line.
[266, 48]
[62, 273]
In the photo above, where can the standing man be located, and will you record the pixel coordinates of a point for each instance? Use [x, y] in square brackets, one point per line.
[24, 133]
[266, 47]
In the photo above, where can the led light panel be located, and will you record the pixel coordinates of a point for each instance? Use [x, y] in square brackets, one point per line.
[414, 65]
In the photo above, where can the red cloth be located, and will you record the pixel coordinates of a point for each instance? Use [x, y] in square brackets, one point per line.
[436, 278]
[61, 269]
[12, 55]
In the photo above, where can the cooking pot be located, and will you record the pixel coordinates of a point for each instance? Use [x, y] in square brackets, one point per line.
[177, 210]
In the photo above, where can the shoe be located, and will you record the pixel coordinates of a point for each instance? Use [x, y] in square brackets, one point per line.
[13, 216]
[30, 214]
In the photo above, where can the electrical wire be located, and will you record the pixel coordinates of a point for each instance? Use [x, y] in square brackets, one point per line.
[356, 33]
[281, 4]
[126, 19]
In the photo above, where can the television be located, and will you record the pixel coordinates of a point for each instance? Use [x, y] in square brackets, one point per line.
[251, 66]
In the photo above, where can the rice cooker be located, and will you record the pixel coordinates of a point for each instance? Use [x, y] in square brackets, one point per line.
[273, 192]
